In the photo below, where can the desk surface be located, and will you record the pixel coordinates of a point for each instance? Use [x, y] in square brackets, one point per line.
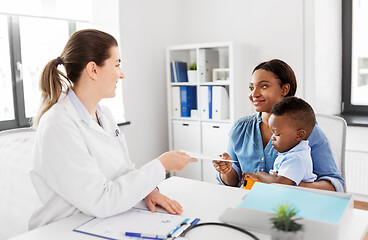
[199, 199]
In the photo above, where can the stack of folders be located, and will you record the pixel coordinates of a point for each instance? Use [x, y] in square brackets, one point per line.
[179, 72]
[214, 102]
[184, 99]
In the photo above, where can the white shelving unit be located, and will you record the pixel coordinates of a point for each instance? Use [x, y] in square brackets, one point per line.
[198, 133]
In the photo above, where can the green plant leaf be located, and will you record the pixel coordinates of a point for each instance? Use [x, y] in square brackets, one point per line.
[193, 66]
[284, 218]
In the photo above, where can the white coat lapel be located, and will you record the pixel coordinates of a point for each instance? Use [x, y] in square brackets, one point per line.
[109, 125]
[94, 126]
[90, 123]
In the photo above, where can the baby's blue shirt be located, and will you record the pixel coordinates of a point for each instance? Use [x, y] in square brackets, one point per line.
[246, 148]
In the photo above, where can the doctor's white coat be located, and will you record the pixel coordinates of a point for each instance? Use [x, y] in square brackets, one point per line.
[79, 166]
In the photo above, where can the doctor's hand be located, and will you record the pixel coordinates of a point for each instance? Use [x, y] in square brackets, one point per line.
[175, 160]
[156, 198]
[221, 166]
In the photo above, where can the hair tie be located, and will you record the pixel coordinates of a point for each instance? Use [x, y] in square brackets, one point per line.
[59, 61]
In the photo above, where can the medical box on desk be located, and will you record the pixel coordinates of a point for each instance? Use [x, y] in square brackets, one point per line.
[259, 220]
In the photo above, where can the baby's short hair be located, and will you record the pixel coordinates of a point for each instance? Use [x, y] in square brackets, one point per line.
[298, 110]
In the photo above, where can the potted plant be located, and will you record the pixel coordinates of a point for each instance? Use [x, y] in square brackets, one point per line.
[285, 226]
[192, 73]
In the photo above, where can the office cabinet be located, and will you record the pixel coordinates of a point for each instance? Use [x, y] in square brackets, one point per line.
[202, 109]
[187, 137]
[214, 142]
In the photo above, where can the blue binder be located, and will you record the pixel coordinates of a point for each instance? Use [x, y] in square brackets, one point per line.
[188, 98]
[210, 102]
[181, 71]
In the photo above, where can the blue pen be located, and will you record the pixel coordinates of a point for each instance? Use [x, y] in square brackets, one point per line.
[195, 221]
[147, 236]
[179, 226]
[178, 233]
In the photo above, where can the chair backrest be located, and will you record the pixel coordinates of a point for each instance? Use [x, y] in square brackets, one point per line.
[335, 130]
[18, 199]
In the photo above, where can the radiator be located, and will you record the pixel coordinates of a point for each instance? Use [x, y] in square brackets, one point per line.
[356, 172]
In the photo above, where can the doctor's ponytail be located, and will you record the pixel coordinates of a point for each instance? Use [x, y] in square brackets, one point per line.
[82, 47]
[51, 86]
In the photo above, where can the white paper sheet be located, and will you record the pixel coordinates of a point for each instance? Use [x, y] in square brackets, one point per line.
[205, 157]
[134, 220]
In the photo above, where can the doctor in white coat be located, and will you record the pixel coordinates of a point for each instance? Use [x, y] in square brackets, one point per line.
[81, 161]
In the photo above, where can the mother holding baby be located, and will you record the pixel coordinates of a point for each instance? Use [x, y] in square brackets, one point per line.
[250, 143]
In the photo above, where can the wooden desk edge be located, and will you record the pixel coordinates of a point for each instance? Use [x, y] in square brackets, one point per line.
[361, 205]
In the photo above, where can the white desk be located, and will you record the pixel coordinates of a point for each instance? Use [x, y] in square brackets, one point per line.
[199, 199]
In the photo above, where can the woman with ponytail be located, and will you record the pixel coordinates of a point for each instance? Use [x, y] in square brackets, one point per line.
[81, 161]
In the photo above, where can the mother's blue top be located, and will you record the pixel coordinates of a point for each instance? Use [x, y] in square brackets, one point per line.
[246, 148]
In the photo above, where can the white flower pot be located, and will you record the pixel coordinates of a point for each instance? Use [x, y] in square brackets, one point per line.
[192, 76]
[282, 235]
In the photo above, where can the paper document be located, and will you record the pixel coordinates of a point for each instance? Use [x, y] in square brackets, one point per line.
[205, 157]
[134, 221]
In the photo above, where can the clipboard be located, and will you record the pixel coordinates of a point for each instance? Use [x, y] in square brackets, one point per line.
[137, 222]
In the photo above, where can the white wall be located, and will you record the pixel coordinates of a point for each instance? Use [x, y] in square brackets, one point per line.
[106, 16]
[146, 27]
[304, 33]
[322, 55]
[274, 29]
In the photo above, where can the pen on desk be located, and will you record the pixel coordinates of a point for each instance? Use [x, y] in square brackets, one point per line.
[195, 221]
[178, 233]
[146, 236]
[179, 226]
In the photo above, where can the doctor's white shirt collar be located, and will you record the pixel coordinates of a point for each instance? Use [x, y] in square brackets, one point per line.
[81, 109]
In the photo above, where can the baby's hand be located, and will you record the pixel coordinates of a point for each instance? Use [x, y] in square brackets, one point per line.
[249, 175]
[244, 177]
[248, 180]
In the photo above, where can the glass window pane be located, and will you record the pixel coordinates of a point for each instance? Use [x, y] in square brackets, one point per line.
[359, 78]
[6, 89]
[56, 9]
[39, 45]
